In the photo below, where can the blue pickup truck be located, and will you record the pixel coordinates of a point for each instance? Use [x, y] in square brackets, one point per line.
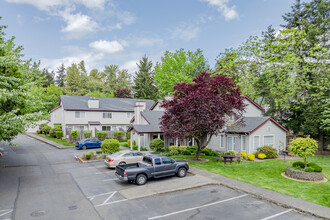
[152, 166]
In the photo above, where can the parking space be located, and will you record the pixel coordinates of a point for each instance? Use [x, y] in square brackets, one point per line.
[94, 187]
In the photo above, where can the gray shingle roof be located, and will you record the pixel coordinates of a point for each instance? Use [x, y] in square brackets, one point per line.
[250, 123]
[105, 104]
[153, 118]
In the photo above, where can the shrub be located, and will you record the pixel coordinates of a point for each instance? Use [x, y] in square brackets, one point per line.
[88, 156]
[38, 132]
[101, 135]
[129, 143]
[52, 132]
[143, 149]
[185, 152]
[59, 134]
[99, 152]
[182, 148]
[243, 154]
[125, 144]
[74, 134]
[128, 135]
[269, 151]
[250, 156]
[170, 153]
[87, 134]
[299, 164]
[261, 156]
[232, 152]
[303, 147]
[46, 129]
[309, 169]
[63, 138]
[192, 149]
[173, 148]
[156, 144]
[42, 125]
[214, 154]
[110, 146]
[118, 135]
[135, 147]
[316, 167]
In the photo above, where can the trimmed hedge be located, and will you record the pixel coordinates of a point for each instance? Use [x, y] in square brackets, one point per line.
[102, 135]
[110, 146]
[74, 134]
[87, 134]
[59, 134]
[118, 135]
[157, 144]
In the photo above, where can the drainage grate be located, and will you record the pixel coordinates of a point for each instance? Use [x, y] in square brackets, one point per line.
[73, 207]
[38, 213]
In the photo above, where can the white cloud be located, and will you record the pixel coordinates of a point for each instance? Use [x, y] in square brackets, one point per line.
[108, 47]
[228, 12]
[78, 25]
[148, 42]
[185, 33]
[131, 66]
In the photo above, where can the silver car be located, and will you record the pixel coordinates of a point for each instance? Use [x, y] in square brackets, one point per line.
[123, 157]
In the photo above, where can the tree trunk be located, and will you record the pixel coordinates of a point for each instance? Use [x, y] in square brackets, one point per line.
[198, 152]
[305, 162]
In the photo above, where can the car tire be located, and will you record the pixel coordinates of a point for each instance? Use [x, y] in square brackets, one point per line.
[84, 147]
[182, 172]
[141, 179]
[122, 163]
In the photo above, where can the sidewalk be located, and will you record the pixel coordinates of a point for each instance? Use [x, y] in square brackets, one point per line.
[51, 143]
[274, 197]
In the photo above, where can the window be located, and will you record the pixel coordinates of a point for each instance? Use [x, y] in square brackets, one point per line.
[80, 114]
[114, 128]
[222, 141]
[129, 115]
[106, 128]
[107, 115]
[127, 155]
[230, 143]
[256, 142]
[243, 147]
[166, 160]
[269, 140]
[137, 154]
[236, 144]
[171, 142]
[157, 161]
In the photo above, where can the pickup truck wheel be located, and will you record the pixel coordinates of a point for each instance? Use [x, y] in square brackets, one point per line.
[141, 179]
[182, 172]
[84, 147]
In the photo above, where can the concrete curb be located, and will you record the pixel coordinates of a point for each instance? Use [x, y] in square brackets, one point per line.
[268, 195]
[49, 142]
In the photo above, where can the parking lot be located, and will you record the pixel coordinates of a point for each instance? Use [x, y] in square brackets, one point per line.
[39, 181]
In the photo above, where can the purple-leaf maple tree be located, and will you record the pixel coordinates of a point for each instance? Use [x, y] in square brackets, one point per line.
[123, 93]
[200, 109]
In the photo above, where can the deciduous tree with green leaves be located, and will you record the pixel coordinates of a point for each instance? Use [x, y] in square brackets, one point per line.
[303, 147]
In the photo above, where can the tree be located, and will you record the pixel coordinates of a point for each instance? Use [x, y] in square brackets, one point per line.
[199, 110]
[60, 77]
[76, 80]
[303, 147]
[17, 103]
[144, 83]
[296, 17]
[123, 93]
[179, 67]
[116, 78]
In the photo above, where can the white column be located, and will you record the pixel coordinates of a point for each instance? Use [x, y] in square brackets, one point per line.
[139, 144]
[158, 135]
[131, 140]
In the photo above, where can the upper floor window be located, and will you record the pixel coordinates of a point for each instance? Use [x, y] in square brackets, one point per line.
[107, 115]
[80, 114]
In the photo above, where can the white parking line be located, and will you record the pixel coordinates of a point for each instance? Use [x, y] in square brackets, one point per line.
[109, 203]
[97, 167]
[6, 211]
[109, 197]
[198, 207]
[108, 180]
[102, 194]
[278, 214]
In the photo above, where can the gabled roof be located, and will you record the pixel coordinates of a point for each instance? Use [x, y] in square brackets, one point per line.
[153, 119]
[80, 103]
[251, 124]
[254, 103]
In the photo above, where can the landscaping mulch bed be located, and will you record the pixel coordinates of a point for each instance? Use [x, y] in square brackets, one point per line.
[199, 160]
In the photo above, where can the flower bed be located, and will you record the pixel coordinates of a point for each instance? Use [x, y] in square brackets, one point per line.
[302, 175]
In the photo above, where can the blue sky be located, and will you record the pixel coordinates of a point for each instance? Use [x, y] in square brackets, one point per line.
[104, 32]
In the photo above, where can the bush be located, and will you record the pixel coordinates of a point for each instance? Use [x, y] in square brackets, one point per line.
[269, 151]
[309, 169]
[173, 148]
[38, 132]
[192, 149]
[46, 129]
[299, 164]
[110, 146]
[88, 156]
[59, 134]
[52, 132]
[143, 149]
[316, 167]
[135, 147]
[156, 144]
[87, 134]
[125, 144]
[170, 153]
[42, 125]
[185, 152]
[118, 135]
[182, 148]
[99, 152]
[101, 135]
[250, 156]
[74, 134]
[213, 154]
[303, 147]
[243, 154]
[261, 156]
[232, 152]
[128, 135]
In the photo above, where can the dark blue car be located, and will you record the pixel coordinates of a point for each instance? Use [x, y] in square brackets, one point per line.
[88, 143]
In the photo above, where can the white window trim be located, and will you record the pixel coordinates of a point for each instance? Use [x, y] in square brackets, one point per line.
[232, 136]
[253, 142]
[107, 113]
[222, 136]
[80, 112]
[242, 143]
[263, 139]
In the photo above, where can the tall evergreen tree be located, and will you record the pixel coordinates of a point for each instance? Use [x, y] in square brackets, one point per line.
[75, 81]
[60, 76]
[144, 83]
[116, 78]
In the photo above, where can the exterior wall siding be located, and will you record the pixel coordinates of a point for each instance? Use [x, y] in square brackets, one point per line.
[251, 110]
[119, 118]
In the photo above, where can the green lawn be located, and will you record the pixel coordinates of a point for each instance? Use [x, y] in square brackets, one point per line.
[267, 174]
[65, 143]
